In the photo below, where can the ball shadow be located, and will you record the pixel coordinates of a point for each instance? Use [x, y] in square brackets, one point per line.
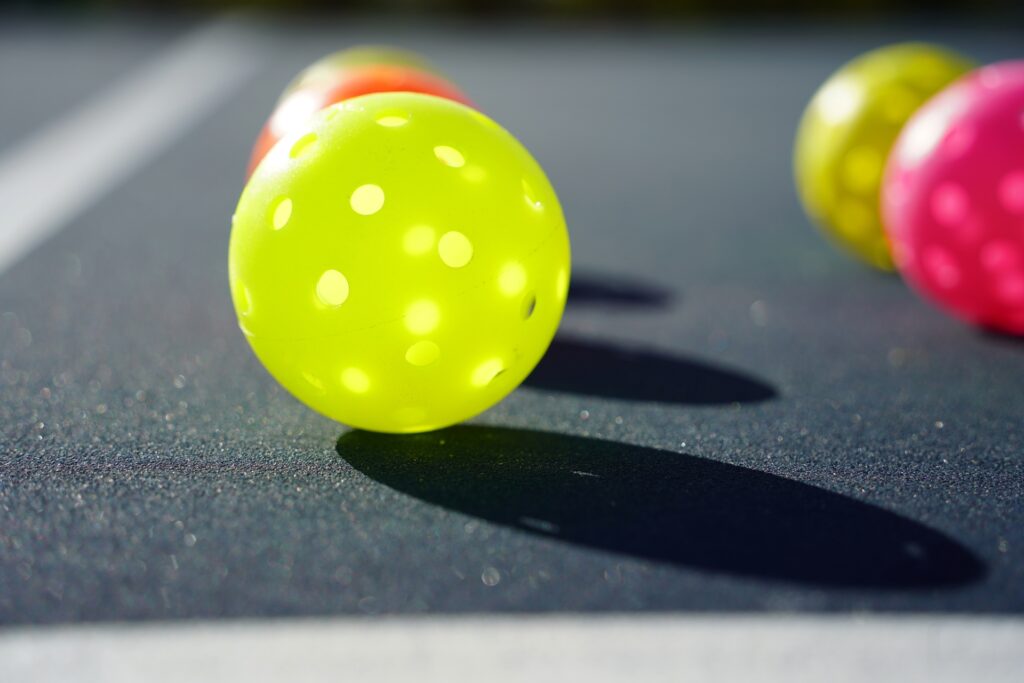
[587, 289]
[999, 337]
[662, 506]
[577, 366]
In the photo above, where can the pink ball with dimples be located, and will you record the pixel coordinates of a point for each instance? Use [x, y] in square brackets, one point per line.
[953, 198]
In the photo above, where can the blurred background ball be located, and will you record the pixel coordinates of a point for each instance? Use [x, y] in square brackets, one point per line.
[328, 68]
[847, 131]
[400, 263]
[954, 198]
[299, 105]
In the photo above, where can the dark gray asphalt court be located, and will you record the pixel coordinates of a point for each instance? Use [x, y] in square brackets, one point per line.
[733, 417]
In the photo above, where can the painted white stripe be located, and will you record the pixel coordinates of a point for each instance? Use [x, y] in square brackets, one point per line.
[46, 180]
[750, 649]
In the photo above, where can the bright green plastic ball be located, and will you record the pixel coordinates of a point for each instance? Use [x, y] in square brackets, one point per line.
[846, 134]
[400, 264]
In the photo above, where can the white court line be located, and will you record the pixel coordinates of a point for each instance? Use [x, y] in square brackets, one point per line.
[593, 649]
[52, 176]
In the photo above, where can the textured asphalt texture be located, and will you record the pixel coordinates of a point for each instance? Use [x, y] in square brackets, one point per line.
[733, 417]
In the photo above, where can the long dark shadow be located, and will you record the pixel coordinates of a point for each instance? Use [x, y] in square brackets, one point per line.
[590, 289]
[578, 366]
[1000, 337]
[663, 506]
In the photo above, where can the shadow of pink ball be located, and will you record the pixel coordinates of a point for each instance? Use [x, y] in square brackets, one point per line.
[953, 198]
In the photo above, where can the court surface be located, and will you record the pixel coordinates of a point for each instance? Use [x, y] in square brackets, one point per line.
[740, 441]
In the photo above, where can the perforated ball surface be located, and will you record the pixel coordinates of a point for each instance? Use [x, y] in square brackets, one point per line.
[847, 131]
[400, 264]
[954, 198]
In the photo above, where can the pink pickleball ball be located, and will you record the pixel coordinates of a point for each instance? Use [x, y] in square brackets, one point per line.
[953, 198]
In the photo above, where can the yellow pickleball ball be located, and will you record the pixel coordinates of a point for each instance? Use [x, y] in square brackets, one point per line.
[847, 131]
[400, 263]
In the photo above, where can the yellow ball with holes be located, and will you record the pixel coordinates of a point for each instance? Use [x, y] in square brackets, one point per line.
[846, 134]
[400, 264]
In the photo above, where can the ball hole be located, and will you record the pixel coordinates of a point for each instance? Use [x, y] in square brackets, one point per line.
[302, 145]
[511, 279]
[449, 156]
[332, 289]
[282, 213]
[529, 305]
[1011, 191]
[950, 204]
[486, 372]
[355, 380]
[422, 317]
[367, 200]
[455, 249]
[392, 119]
[422, 353]
[474, 174]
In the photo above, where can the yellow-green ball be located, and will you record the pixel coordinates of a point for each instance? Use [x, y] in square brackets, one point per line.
[847, 131]
[400, 264]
